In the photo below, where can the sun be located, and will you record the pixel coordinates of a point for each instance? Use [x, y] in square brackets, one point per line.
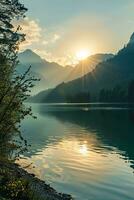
[82, 54]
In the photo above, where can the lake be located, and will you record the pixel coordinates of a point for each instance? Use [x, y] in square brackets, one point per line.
[86, 150]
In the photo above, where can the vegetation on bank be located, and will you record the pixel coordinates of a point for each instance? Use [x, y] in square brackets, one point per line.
[118, 94]
[17, 184]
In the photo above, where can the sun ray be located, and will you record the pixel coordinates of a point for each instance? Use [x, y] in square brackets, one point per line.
[82, 54]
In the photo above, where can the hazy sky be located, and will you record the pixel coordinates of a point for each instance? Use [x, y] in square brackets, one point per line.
[58, 29]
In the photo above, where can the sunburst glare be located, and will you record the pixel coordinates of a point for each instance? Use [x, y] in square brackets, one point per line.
[82, 54]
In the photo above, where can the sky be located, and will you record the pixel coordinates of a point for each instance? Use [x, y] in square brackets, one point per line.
[59, 29]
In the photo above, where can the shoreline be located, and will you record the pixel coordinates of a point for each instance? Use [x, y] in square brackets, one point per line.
[17, 184]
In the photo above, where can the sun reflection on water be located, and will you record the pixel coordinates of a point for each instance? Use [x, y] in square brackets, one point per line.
[76, 156]
[83, 150]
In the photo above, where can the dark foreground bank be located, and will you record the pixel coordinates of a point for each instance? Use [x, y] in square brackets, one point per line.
[17, 184]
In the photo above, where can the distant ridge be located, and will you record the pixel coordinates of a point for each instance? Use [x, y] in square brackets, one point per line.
[48, 72]
[131, 39]
[51, 73]
[110, 78]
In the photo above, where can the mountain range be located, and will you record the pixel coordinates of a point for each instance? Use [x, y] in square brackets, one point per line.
[111, 76]
[48, 72]
[52, 74]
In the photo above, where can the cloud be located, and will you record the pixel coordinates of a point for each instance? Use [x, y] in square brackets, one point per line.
[45, 42]
[37, 38]
[51, 39]
[85, 32]
[31, 29]
[44, 54]
[35, 34]
[62, 60]
[55, 38]
[61, 45]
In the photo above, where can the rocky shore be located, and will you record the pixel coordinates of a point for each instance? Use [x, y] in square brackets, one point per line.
[17, 184]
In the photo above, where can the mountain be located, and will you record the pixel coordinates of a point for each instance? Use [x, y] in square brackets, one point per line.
[48, 72]
[51, 73]
[110, 79]
[87, 65]
[40, 97]
[131, 39]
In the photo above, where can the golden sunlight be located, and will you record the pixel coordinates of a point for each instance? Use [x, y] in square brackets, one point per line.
[82, 54]
[83, 149]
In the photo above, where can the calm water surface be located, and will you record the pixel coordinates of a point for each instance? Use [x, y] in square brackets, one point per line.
[83, 150]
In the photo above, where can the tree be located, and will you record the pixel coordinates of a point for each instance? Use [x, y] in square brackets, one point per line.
[14, 88]
[117, 94]
[131, 92]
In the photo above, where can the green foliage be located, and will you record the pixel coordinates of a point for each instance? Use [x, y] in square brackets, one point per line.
[13, 187]
[10, 38]
[131, 92]
[14, 88]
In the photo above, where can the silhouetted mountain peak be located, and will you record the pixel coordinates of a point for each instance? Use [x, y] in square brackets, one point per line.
[29, 56]
[29, 52]
[132, 39]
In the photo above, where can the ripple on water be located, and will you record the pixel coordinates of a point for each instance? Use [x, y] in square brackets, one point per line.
[83, 152]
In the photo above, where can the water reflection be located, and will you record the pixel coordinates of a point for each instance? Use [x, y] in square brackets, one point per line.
[83, 151]
[114, 127]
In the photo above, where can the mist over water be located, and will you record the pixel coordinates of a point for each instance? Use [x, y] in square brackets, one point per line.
[84, 150]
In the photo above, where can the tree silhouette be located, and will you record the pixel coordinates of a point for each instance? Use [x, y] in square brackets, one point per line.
[117, 94]
[131, 92]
